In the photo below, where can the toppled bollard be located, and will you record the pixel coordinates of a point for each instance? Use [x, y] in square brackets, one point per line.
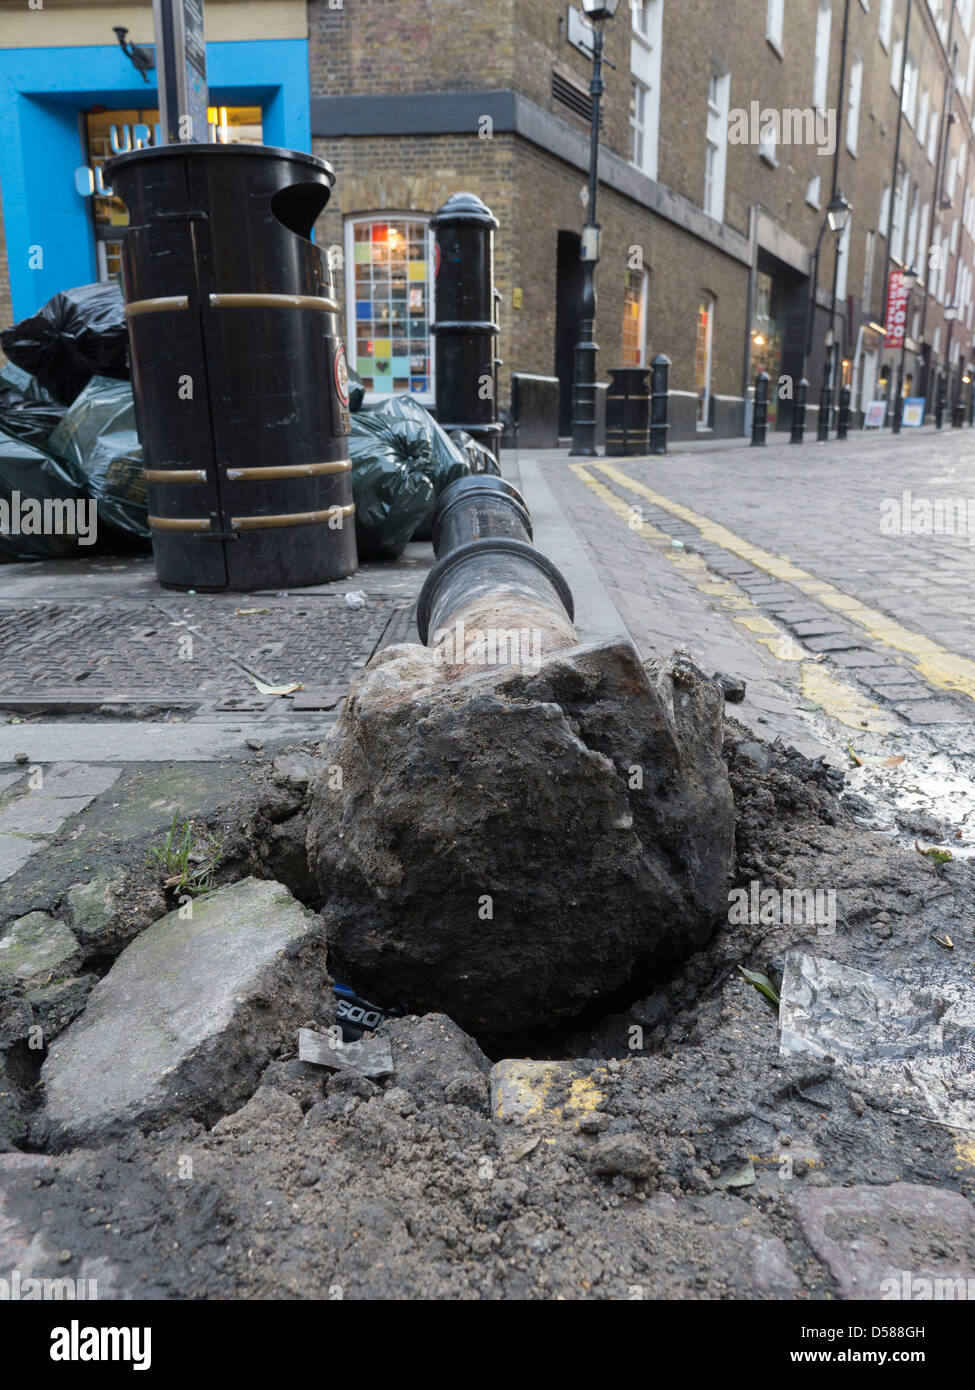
[521, 823]
[492, 599]
[511, 844]
[475, 508]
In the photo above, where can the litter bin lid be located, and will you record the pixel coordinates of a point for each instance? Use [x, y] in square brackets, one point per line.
[181, 151]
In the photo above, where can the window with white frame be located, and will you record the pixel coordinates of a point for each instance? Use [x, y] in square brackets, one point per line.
[645, 46]
[702, 361]
[853, 108]
[775, 23]
[909, 94]
[922, 119]
[939, 14]
[868, 258]
[635, 318]
[388, 279]
[843, 260]
[884, 211]
[896, 63]
[933, 124]
[716, 150]
[970, 76]
[921, 264]
[899, 227]
[885, 23]
[910, 256]
[824, 23]
[813, 191]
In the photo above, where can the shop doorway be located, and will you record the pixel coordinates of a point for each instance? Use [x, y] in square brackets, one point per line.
[567, 300]
[111, 132]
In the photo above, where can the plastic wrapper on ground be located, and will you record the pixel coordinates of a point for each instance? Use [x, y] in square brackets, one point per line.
[912, 1039]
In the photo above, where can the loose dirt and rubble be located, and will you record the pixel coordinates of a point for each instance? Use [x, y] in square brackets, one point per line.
[658, 1145]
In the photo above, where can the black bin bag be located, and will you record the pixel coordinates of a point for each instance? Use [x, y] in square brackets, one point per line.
[77, 334]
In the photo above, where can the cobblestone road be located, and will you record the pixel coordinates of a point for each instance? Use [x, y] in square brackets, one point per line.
[833, 578]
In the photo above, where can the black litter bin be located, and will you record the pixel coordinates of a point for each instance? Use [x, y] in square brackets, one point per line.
[628, 411]
[241, 384]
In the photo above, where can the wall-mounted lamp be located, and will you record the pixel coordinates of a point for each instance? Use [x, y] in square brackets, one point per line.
[142, 59]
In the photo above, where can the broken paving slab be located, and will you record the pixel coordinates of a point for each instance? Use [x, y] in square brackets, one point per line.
[62, 791]
[901, 1241]
[189, 1014]
[547, 1093]
[370, 1057]
[36, 946]
[911, 1035]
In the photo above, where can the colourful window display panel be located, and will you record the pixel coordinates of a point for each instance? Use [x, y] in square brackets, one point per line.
[392, 297]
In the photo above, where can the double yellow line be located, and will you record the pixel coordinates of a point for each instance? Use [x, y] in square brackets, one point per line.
[940, 667]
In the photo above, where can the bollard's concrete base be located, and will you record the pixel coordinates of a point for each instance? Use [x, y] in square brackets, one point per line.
[513, 844]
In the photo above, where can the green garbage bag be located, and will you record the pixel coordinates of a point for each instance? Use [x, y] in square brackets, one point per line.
[390, 483]
[98, 435]
[446, 461]
[26, 409]
[45, 510]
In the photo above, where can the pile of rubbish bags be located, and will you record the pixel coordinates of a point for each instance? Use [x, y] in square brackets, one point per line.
[67, 427]
[401, 462]
[68, 432]
[79, 334]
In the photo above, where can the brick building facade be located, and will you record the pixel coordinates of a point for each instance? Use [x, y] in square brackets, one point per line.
[414, 100]
[715, 175]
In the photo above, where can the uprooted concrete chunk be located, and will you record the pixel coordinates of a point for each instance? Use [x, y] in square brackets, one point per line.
[435, 1061]
[510, 845]
[187, 1017]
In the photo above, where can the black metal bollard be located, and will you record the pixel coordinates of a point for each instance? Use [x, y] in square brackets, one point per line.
[466, 328]
[760, 413]
[958, 414]
[469, 509]
[659, 399]
[825, 403]
[939, 411]
[799, 412]
[843, 423]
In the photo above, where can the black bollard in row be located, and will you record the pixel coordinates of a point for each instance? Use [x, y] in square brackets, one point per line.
[799, 412]
[760, 412]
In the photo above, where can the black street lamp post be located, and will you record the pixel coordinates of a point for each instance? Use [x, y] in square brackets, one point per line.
[837, 216]
[584, 384]
[908, 280]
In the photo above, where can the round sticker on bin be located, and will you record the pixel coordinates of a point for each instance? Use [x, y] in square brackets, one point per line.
[342, 375]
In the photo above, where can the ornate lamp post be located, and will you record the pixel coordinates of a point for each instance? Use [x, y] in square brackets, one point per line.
[584, 385]
[908, 280]
[837, 216]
